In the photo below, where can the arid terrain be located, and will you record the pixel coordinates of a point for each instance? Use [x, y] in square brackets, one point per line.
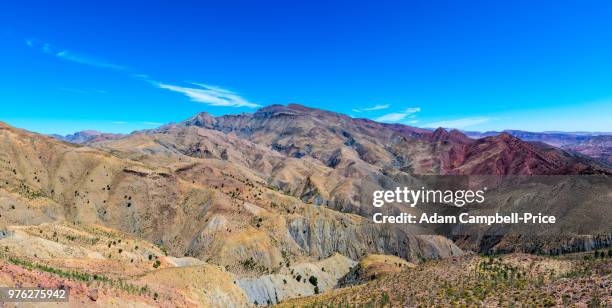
[595, 145]
[275, 207]
[508, 280]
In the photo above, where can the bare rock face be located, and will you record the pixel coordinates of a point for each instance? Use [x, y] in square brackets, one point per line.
[302, 279]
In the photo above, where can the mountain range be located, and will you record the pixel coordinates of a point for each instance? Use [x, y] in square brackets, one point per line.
[596, 145]
[260, 201]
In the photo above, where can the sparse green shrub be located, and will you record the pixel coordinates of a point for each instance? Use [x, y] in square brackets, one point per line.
[384, 299]
[313, 280]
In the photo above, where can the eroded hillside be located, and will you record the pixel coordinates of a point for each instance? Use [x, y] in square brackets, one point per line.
[265, 207]
[330, 159]
[212, 210]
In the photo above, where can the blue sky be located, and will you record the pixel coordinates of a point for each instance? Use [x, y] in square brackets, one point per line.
[475, 65]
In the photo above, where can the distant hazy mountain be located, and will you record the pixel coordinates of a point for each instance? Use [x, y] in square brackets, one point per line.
[593, 144]
[599, 147]
[87, 136]
[557, 139]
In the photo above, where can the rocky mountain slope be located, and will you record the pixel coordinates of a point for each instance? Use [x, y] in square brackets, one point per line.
[265, 201]
[334, 160]
[598, 147]
[299, 131]
[330, 159]
[595, 145]
[211, 209]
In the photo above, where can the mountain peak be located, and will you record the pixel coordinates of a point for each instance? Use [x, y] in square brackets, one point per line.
[506, 136]
[289, 107]
[439, 134]
[201, 119]
[294, 110]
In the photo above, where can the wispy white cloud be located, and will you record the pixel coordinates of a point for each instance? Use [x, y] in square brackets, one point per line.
[119, 122]
[72, 56]
[391, 117]
[209, 95]
[199, 92]
[459, 123]
[87, 60]
[398, 116]
[375, 107]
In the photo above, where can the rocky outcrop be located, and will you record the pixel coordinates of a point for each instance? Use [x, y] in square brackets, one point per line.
[303, 279]
[374, 267]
